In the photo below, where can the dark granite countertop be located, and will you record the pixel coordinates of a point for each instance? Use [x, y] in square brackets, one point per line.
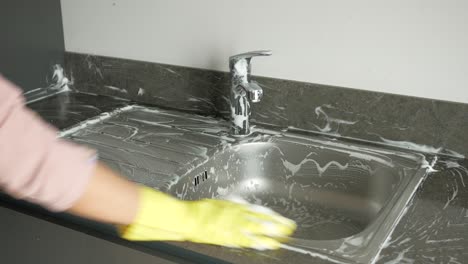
[432, 230]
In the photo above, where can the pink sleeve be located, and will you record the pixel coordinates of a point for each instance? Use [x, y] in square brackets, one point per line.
[34, 164]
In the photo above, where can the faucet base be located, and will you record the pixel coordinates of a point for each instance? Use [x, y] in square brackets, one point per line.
[240, 113]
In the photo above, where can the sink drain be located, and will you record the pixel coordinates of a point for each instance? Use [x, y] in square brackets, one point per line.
[203, 176]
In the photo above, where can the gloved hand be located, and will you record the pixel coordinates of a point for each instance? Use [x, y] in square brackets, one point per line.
[218, 222]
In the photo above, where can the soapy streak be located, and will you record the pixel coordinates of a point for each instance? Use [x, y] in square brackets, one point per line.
[407, 145]
[310, 253]
[456, 168]
[422, 148]
[327, 128]
[116, 89]
[401, 257]
[294, 168]
[357, 152]
[444, 240]
[412, 146]
[454, 194]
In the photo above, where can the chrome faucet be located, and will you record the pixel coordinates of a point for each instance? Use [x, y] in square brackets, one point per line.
[243, 90]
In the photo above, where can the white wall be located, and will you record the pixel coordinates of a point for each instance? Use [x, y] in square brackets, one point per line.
[410, 47]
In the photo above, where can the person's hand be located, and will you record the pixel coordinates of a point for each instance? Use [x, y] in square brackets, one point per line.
[218, 222]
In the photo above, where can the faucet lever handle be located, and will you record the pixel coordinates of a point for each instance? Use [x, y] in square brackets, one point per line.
[248, 55]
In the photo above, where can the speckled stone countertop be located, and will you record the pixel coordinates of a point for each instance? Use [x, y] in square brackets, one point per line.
[434, 228]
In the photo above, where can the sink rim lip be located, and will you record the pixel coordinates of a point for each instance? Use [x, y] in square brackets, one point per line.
[379, 229]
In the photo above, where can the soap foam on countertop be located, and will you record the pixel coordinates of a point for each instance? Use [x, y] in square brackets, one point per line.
[58, 85]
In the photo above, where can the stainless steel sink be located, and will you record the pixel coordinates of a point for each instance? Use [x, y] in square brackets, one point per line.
[345, 197]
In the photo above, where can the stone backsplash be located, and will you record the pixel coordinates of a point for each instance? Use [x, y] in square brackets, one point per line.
[409, 122]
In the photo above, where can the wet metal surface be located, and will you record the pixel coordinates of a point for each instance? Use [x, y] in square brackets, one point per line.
[67, 109]
[151, 146]
[337, 193]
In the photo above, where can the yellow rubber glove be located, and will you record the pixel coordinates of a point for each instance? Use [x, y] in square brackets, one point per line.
[218, 222]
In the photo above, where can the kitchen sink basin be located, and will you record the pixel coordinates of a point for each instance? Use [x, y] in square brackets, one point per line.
[345, 197]
[328, 193]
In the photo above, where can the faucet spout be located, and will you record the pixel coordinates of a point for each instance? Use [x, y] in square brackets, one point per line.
[255, 91]
[243, 90]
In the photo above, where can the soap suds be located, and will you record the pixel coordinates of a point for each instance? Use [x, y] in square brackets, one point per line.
[328, 126]
[113, 88]
[361, 153]
[59, 85]
[429, 166]
[61, 82]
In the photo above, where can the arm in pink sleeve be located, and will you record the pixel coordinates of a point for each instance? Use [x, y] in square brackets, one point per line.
[34, 164]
